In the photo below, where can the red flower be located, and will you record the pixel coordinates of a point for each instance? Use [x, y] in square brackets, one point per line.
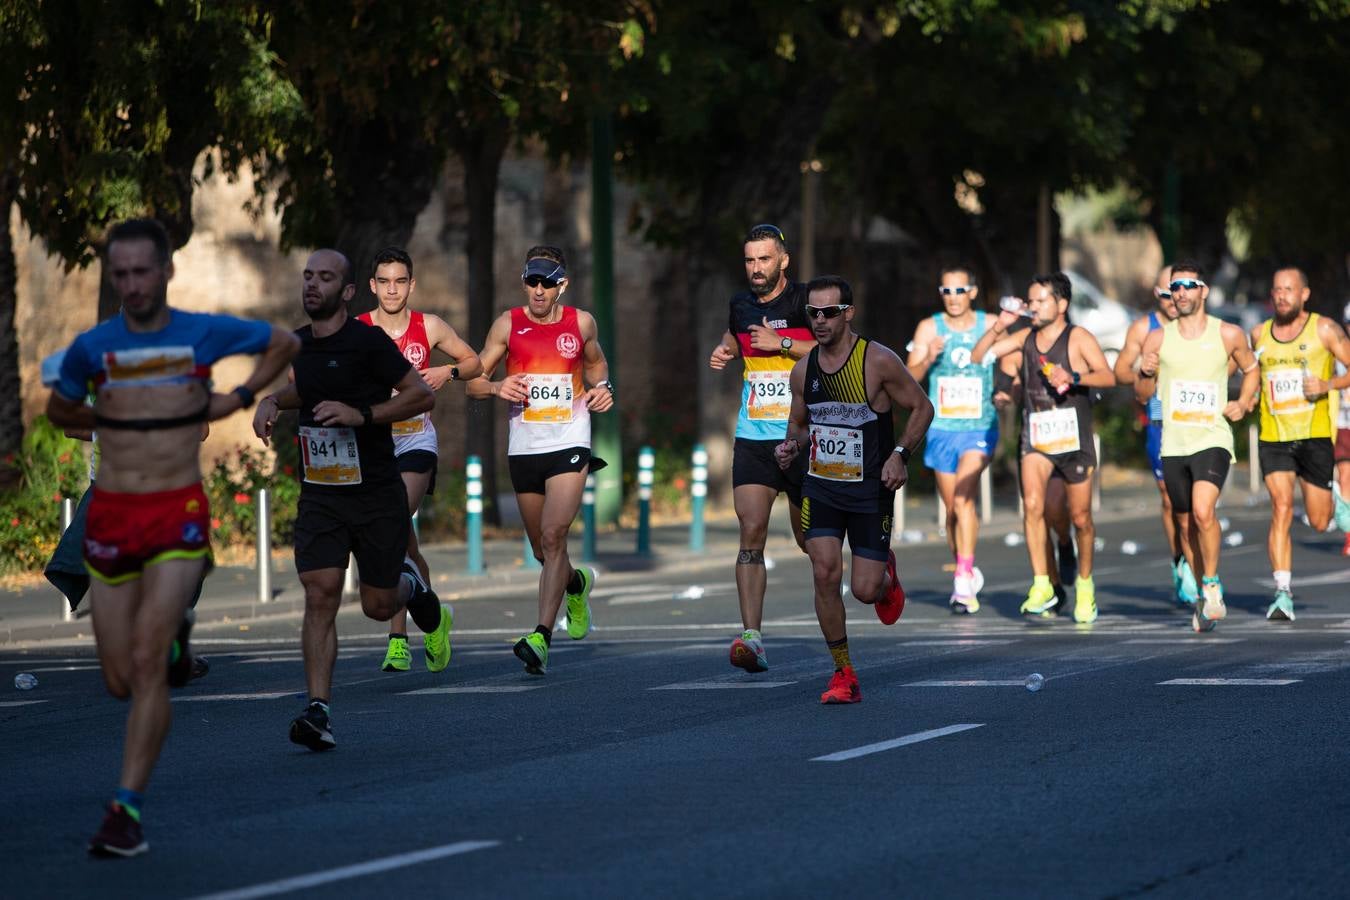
[215, 523]
[679, 484]
[63, 458]
[56, 497]
[14, 522]
[287, 470]
[242, 499]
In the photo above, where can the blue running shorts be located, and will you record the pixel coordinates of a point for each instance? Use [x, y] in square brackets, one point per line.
[943, 449]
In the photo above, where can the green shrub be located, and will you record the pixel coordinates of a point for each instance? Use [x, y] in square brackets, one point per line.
[51, 466]
[232, 486]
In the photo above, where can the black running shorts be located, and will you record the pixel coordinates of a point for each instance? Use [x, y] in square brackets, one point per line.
[869, 533]
[753, 462]
[531, 471]
[1180, 473]
[371, 524]
[419, 462]
[1312, 459]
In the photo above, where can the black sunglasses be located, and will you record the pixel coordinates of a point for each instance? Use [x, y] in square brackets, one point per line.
[535, 281]
[826, 312]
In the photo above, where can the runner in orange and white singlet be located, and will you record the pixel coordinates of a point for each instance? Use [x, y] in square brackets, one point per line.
[552, 352]
[416, 448]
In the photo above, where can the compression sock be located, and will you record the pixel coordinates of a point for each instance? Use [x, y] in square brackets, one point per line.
[839, 650]
[965, 565]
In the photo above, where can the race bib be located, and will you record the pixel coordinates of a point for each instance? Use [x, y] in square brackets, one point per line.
[770, 396]
[329, 455]
[550, 400]
[959, 397]
[1054, 431]
[1194, 403]
[1284, 392]
[836, 453]
[409, 426]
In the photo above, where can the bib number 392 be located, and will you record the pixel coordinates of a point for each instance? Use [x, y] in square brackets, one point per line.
[330, 455]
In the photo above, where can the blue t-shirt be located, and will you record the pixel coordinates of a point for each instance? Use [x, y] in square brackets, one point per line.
[183, 350]
[960, 387]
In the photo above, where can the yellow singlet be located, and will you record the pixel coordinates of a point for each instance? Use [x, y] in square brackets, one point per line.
[1286, 415]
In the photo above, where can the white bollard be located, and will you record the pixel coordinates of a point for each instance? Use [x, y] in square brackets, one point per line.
[349, 586]
[986, 496]
[264, 550]
[1097, 475]
[1253, 460]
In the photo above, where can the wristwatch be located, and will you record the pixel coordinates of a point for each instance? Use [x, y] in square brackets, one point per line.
[786, 344]
[904, 454]
[607, 385]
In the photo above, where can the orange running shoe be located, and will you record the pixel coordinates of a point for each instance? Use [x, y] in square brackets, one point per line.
[893, 604]
[1345, 551]
[843, 687]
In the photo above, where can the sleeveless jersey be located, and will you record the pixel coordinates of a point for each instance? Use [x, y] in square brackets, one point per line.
[1193, 382]
[1053, 423]
[766, 392]
[962, 389]
[1155, 402]
[417, 433]
[555, 417]
[1286, 415]
[847, 435]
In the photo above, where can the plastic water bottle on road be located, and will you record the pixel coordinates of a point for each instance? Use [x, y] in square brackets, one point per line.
[1035, 681]
[25, 681]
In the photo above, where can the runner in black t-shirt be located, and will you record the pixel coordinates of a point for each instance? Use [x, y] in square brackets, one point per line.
[352, 500]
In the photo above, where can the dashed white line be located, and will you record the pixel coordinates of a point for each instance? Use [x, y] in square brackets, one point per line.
[8, 703]
[881, 746]
[477, 689]
[971, 682]
[1257, 682]
[720, 685]
[263, 695]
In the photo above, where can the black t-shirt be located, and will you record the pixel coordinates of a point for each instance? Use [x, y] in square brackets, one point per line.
[786, 314]
[358, 365]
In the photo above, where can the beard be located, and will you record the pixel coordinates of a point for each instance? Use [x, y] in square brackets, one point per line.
[1286, 318]
[759, 289]
[327, 308]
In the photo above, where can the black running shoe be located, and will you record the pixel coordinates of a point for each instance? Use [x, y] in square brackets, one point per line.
[200, 666]
[180, 669]
[312, 729]
[1061, 601]
[120, 835]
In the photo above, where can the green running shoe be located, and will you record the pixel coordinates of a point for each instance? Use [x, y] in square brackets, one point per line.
[1085, 601]
[1282, 610]
[532, 650]
[579, 607]
[398, 658]
[1040, 599]
[437, 643]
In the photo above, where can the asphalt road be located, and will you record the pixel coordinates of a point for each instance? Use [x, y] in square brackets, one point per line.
[1154, 761]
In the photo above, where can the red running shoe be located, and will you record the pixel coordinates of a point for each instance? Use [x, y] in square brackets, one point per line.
[843, 687]
[890, 608]
[1345, 551]
[120, 835]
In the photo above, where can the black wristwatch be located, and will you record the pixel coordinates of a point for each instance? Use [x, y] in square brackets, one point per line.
[786, 344]
[367, 417]
[454, 373]
[904, 454]
[246, 397]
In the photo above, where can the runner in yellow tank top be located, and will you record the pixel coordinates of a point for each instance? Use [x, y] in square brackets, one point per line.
[1186, 363]
[1298, 350]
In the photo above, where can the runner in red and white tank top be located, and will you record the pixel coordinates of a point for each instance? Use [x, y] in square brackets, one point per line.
[552, 352]
[415, 444]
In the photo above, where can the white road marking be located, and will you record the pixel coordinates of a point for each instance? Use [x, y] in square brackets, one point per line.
[343, 873]
[264, 695]
[1207, 682]
[9, 703]
[964, 642]
[477, 689]
[720, 685]
[866, 749]
[1194, 641]
[971, 682]
[92, 668]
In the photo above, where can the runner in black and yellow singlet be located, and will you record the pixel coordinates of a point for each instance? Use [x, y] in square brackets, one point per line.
[843, 395]
[1298, 350]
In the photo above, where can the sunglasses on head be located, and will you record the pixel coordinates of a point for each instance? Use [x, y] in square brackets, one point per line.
[772, 229]
[535, 281]
[826, 312]
[1187, 284]
[946, 291]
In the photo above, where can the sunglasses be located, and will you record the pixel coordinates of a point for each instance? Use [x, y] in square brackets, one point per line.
[958, 291]
[826, 312]
[1186, 284]
[769, 229]
[535, 281]
[1162, 294]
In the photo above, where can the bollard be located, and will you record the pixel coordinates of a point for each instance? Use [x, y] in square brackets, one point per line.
[588, 520]
[349, 586]
[416, 526]
[1253, 460]
[986, 496]
[941, 512]
[898, 513]
[67, 517]
[473, 517]
[1097, 475]
[646, 462]
[698, 492]
[264, 523]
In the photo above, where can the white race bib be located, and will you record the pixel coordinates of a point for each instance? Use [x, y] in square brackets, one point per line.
[1054, 431]
[1284, 392]
[959, 397]
[409, 426]
[770, 396]
[329, 455]
[1194, 403]
[550, 400]
[836, 453]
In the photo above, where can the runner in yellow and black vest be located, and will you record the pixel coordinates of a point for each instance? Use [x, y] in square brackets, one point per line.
[1186, 363]
[1298, 350]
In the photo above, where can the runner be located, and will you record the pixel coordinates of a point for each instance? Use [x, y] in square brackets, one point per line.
[415, 446]
[352, 501]
[1058, 364]
[843, 396]
[964, 435]
[1184, 588]
[147, 536]
[551, 352]
[768, 329]
[1297, 350]
[1186, 362]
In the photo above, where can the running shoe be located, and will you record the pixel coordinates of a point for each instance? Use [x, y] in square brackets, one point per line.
[1199, 623]
[1187, 590]
[120, 834]
[892, 605]
[1068, 563]
[1342, 514]
[1213, 606]
[1061, 606]
[532, 650]
[963, 601]
[747, 652]
[437, 643]
[843, 687]
[976, 580]
[200, 666]
[579, 607]
[1084, 601]
[1345, 550]
[180, 655]
[398, 658]
[312, 729]
[1282, 610]
[1039, 600]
